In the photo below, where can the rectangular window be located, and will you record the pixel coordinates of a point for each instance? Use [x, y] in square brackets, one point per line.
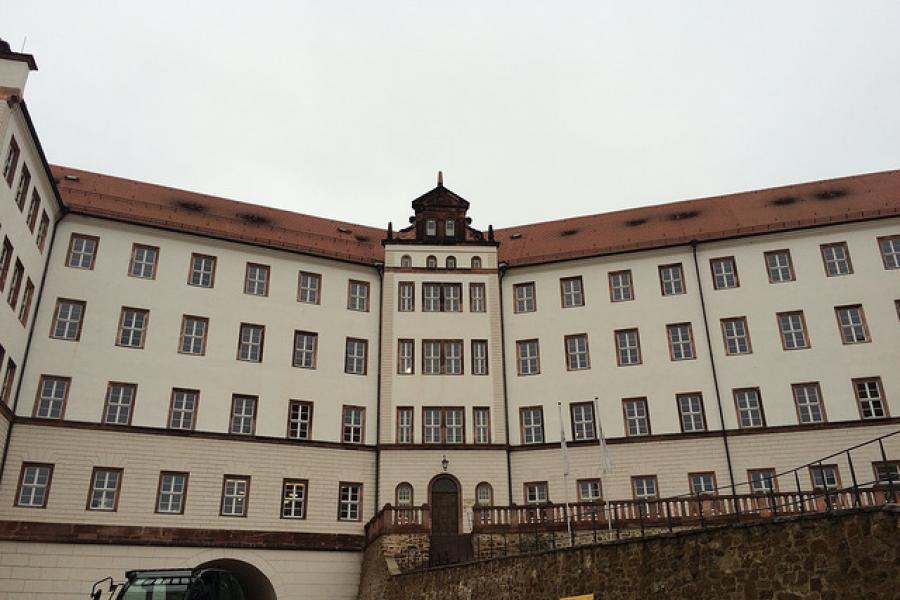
[583, 427]
[27, 297]
[405, 425]
[34, 485]
[825, 478]
[590, 490]
[621, 288]
[749, 408]
[15, 283]
[808, 397]
[724, 273]
[890, 251]
[432, 422]
[33, 207]
[309, 287]
[442, 297]
[82, 251]
[524, 299]
[736, 336]
[406, 296]
[256, 280]
[870, 397]
[644, 487]
[350, 501]
[637, 416]
[23, 187]
[8, 378]
[406, 357]
[762, 481]
[355, 356]
[836, 258]
[681, 341]
[52, 395]
[628, 347]
[671, 279]
[430, 227]
[703, 484]
[452, 297]
[690, 411]
[5, 261]
[477, 301]
[358, 295]
[852, 323]
[243, 415]
[305, 345]
[119, 405]
[528, 358]
[293, 499]
[887, 473]
[132, 327]
[536, 493]
[577, 356]
[479, 357]
[300, 420]
[442, 357]
[250, 342]
[203, 271]
[143, 261]
[454, 425]
[443, 425]
[183, 411]
[172, 493]
[481, 417]
[571, 292]
[105, 485]
[12, 161]
[67, 319]
[779, 266]
[792, 326]
[193, 335]
[449, 228]
[431, 297]
[235, 492]
[353, 420]
[532, 421]
[43, 230]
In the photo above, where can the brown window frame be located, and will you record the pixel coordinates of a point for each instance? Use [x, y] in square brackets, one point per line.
[884, 401]
[587, 351]
[790, 265]
[472, 288]
[640, 357]
[519, 357]
[8, 377]
[212, 274]
[652, 498]
[134, 249]
[442, 343]
[442, 297]
[589, 480]
[365, 344]
[13, 153]
[172, 409]
[268, 271]
[480, 409]
[546, 487]
[819, 466]
[715, 491]
[184, 493]
[16, 285]
[671, 344]
[487, 361]
[412, 425]
[295, 481]
[43, 230]
[262, 342]
[443, 410]
[712, 269]
[144, 331]
[543, 439]
[37, 395]
[360, 506]
[737, 408]
[490, 490]
[253, 418]
[18, 497]
[822, 248]
[805, 329]
[412, 357]
[410, 285]
[118, 492]
[662, 286]
[184, 318]
[301, 403]
[315, 350]
[865, 324]
[881, 252]
[877, 463]
[106, 399]
[646, 403]
[562, 291]
[310, 275]
[80, 325]
[795, 387]
[366, 286]
[33, 207]
[699, 395]
[609, 279]
[225, 479]
[82, 236]
[746, 334]
[362, 424]
[515, 302]
[21, 192]
[27, 298]
[572, 407]
[773, 478]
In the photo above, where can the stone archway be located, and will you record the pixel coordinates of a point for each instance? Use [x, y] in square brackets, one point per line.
[254, 582]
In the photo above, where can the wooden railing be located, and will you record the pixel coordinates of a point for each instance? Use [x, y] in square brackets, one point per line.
[399, 519]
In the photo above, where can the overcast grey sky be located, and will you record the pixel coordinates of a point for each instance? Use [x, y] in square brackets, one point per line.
[533, 110]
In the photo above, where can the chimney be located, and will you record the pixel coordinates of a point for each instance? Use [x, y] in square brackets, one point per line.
[14, 70]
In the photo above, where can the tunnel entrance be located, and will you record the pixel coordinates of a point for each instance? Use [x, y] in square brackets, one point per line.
[255, 584]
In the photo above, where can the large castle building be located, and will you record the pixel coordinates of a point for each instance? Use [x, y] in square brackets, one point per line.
[189, 380]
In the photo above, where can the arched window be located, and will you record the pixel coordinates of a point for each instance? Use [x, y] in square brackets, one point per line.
[476, 262]
[404, 494]
[484, 494]
[406, 261]
[431, 262]
[451, 262]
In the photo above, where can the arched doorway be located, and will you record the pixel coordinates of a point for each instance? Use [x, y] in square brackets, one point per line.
[445, 506]
[254, 582]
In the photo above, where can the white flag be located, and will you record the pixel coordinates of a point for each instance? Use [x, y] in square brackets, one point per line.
[605, 461]
[562, 439]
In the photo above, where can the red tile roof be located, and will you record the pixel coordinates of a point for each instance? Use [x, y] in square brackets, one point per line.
[831, 201]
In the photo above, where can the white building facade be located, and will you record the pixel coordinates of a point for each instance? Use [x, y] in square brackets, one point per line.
[190, 380]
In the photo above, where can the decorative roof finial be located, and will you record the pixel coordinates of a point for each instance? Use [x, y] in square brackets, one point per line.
[440, 179]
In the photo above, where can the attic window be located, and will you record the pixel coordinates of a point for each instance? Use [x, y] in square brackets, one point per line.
[783, 201]
[515, 236]
[254, 219]
[568, 232]
[344, 229]
[362, 238]
[687, 214]
[635, 222]
[190, 206]
[830, 194]
[71, 178]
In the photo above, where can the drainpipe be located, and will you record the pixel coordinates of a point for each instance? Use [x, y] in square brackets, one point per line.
[37, 305]
[712, 363]
[501, 271]
[380, 267]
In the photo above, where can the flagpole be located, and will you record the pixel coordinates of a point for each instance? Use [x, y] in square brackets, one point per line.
[605, 462]
[565, 457]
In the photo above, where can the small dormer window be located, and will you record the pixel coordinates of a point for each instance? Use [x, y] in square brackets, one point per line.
[450, 228]
[476, 262]
[431, 227]
[405, 261]
[431, 262]
[451, 262]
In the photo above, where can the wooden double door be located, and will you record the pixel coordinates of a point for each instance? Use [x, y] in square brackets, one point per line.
[448, 543]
